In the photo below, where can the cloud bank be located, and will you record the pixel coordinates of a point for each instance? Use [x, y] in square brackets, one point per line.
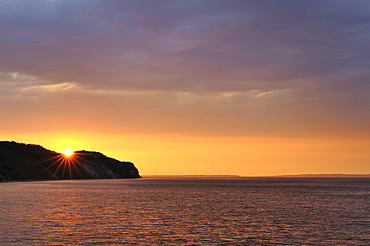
[195, 67]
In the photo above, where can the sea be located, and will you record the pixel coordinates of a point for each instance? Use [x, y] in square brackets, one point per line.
[187, 211]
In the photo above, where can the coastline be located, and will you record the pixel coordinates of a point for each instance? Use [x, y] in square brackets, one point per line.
[267, 176]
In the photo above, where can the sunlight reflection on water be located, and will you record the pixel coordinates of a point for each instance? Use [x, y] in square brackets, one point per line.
[186, 211]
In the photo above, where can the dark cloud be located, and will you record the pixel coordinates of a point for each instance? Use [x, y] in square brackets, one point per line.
[287, 40]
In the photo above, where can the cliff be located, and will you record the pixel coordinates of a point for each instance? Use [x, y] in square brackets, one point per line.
[20, 161]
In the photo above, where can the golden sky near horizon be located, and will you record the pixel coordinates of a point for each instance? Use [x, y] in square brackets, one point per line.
[181, 87]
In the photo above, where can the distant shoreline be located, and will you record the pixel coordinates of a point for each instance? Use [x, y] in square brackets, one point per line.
[335, 175]
[214, 177]
[339, 175]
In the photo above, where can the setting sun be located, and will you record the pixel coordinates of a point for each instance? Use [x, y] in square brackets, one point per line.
[68, 152]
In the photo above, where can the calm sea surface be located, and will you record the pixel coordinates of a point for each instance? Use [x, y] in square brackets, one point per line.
[179, 211]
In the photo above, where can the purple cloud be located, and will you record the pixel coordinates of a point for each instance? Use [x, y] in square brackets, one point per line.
[318, 51]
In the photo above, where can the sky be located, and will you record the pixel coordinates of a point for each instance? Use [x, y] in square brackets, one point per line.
[191, 87]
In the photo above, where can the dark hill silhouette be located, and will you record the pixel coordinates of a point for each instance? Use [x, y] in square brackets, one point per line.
[20, 161]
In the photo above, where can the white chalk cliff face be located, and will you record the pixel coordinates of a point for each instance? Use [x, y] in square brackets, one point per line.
[33, 162]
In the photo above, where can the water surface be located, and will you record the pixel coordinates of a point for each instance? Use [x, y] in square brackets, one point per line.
[238, 211]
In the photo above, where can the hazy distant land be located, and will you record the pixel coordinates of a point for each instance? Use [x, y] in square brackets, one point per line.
[335, 175]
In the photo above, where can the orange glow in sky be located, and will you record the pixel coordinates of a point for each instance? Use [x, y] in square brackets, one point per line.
[170, 154]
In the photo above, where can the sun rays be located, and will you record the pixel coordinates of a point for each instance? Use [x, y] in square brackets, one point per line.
[70, 164]
[67, 164]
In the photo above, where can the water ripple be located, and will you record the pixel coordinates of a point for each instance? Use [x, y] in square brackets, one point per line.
[186, 212]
